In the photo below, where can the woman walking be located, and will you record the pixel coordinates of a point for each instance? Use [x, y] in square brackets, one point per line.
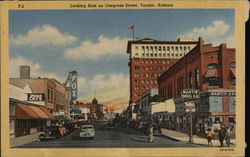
[209, 136]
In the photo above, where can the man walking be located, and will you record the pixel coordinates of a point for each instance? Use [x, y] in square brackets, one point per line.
[221, 135]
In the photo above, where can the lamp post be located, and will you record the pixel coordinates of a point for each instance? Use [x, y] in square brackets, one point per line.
[190, 107]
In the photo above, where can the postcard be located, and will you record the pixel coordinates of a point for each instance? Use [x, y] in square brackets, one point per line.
[122, 78]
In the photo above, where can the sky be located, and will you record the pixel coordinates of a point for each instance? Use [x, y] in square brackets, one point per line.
[93, 42]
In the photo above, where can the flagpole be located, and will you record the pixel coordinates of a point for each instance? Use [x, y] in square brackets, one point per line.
[133, 32]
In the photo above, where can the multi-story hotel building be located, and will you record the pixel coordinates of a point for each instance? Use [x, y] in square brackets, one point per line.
[149, 58]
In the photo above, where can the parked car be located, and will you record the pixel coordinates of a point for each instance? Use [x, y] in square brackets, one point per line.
[51, 132]
[87, 131]
[157, 130]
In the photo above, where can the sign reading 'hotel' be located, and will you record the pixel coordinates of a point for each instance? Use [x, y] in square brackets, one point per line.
[190, 93]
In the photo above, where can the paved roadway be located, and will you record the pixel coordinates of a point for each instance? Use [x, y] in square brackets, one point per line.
[106, 137]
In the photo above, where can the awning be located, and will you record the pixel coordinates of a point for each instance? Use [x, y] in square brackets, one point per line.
[25, 112]
[47, 112]
[223, 114]
[39, 112]
[232, 72]
[211, 73]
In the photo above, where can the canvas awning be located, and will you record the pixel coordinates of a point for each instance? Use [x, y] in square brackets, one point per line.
[47, 112]
[25, 112]
[32, 112]
[211, 73]
[39, 112]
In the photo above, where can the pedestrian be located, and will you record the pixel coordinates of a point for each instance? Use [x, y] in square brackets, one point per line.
[221, 135]
[209, 133]
[228, 136]
[150, 134]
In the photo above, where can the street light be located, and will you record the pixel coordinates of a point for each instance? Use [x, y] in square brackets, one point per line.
[190, 107]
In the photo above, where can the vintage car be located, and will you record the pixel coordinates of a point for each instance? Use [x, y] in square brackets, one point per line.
[87, 131]
[51, 132]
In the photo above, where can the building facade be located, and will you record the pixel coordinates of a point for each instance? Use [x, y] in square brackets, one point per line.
[56, 97]
[211, 71]
[27, 118]
[93, 109]
[149, 58]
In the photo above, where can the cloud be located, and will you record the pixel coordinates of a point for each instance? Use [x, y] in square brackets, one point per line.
[111, 90]
[218, 32]
[35, 69]
[45, 35]
[94, 50]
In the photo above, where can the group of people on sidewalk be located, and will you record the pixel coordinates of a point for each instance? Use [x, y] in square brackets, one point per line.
[223, 133]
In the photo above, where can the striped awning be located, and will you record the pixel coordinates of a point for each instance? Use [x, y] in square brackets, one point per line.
[32, 112]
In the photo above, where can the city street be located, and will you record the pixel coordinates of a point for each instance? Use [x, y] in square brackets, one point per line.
[107, 137]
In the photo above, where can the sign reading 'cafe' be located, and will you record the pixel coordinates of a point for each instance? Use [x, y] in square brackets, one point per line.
[35, 97]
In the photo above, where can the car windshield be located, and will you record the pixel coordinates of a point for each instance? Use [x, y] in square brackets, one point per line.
[87, 127]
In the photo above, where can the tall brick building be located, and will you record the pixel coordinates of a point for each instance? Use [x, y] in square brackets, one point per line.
[149, 58]
[211, 70]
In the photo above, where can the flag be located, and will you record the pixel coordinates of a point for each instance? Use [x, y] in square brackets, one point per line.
[131, 28]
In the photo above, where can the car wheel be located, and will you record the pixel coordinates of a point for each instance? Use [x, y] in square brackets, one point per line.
[42, 136]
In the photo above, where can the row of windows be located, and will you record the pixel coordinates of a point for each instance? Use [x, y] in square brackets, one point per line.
[144, 87]
[160, 55]
[145, 81]
[151, 68]
[56, 96]
[147, 74]
[151, 61]
[164, 48]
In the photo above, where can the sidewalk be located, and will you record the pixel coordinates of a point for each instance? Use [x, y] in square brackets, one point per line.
[197, 140]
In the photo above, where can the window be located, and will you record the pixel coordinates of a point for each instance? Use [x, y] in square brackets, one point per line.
[137, 68]
[232, 78]
[137, 81]
[143, 67]
[197, 80]
[190, 79]
[179, 86]
[159, 48]
[48, 94]
[232, 65]
[213, 81]
[137, 75]
[136, 47]
[212, 66]
[143, 54]
[164, 48]
[168, 48]
[155, 54]
[176, 48]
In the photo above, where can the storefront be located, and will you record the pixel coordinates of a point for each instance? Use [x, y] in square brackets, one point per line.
[27, 118]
